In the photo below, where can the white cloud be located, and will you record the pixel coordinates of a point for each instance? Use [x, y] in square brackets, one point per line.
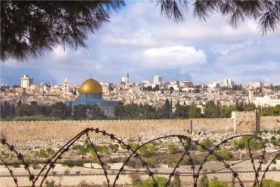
[215, 29]
[145, 27]
[92, 65]
[12, 63]
[253, 62]
[173, 57]
[226, 49]
[139, 38]
[76, 70]
[59, 53]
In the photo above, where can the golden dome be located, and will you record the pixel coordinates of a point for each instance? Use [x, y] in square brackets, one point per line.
[91, 86]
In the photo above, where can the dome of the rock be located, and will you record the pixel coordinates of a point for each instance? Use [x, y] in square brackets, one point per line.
[91, 94]
[91, 86]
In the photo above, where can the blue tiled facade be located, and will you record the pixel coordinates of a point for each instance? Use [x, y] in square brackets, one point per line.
[94, 98]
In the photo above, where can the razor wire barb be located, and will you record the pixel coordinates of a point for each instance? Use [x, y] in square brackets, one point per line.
[186, 142]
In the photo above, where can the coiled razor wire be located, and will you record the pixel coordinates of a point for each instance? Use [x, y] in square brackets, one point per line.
[51, 163]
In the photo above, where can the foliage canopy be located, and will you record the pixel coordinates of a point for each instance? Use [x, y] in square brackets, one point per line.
[30, 27]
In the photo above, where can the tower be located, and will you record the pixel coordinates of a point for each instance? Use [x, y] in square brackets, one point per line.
[65, 87]
[251, 96]
[158, 80]
[127, 83]
[26, 81]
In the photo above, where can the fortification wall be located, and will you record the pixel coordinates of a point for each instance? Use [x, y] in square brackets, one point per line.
[64, 130]
[244, 121]
[270, 123]
[241, 122]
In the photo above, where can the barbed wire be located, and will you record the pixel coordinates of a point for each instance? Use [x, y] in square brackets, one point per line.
[10, 171]
[186, 142]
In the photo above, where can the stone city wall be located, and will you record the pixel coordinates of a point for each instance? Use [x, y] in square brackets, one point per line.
[65, 130]
[244, 121]
[270, 123]
[241, 122]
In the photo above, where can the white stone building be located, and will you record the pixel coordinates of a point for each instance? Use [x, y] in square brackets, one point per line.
[266, 101]
[158, 80]
[26, 81]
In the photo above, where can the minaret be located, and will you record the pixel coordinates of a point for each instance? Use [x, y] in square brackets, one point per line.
[127, 80]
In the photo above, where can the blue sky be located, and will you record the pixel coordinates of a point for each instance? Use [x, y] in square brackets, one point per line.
[141, 41]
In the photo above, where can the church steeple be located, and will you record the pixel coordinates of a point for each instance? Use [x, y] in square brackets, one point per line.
[65, 87]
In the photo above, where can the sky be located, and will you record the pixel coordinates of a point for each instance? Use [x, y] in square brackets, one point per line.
[141, 41]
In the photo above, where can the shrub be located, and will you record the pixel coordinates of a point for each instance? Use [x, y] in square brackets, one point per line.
[224, 154]
[80, 148]
[134, 146]
[50, 184]
[134, 163]
[204, 181]
[190, 145]
[49, 150]
[101, 149]
[161, 182]
[123, 146]
[42, 154]
[269, 183]
[152, 149]
[151, 163]
[114, 147]
[207, 143]
[147, 151]
[254, 144]
[176, 182]
[216, 183]
[94, 156]
[188, 162]
[144, 151]
[172, 149]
